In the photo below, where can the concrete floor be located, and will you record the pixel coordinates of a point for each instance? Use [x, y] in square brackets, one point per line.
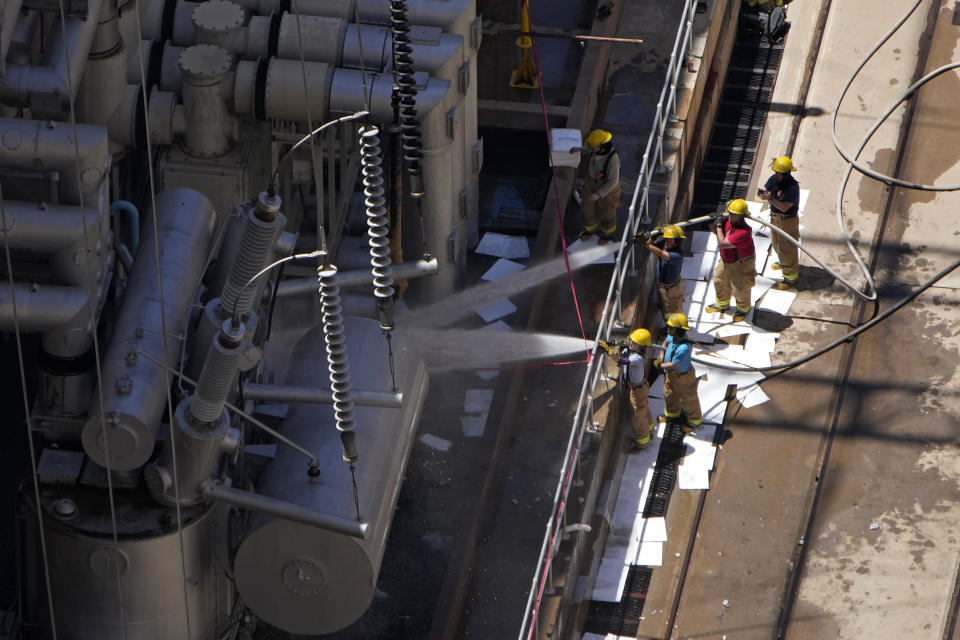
[880, 559]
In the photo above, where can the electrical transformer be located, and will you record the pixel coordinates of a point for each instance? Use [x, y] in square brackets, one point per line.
[212, 414]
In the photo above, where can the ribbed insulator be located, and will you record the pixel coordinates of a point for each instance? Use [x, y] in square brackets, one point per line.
[334, 336]
[216, 379]
[256, 247]
[403, 67]
[371, 160]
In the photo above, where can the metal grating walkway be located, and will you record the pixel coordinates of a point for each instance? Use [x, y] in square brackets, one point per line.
[741, 115]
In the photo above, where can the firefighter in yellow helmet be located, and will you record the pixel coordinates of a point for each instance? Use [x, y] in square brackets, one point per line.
[600, 195]
[669, 264]
[680, 379]
[782, 192]
[631, 356]
[736, 270]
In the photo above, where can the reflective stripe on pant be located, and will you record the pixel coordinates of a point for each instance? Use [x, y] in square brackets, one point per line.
[604, 209]
[640, 417]
[680, 393]
[736, 278]
[788, 255]
[671, 298]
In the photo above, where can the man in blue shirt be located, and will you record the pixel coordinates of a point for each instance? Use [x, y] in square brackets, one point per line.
[669, 264]
[680, 379]
[782, 192]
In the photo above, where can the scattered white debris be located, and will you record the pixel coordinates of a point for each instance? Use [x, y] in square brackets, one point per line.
[496, 310]
[473, 426]
[874, 526]
[726, 603]
[436, 443]
[677, 555]
[503, 246]
[477, 401]
[500, 269]
[552, 405]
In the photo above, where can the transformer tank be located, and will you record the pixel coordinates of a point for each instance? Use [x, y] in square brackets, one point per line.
[307, 580]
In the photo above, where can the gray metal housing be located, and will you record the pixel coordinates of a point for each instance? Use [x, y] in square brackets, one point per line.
[307, 580]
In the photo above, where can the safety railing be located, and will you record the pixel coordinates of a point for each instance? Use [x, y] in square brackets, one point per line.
[582, 420]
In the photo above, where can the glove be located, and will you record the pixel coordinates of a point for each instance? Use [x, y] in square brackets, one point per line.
[657, 363]
[605, 346]
[717, 217]
[642, 238]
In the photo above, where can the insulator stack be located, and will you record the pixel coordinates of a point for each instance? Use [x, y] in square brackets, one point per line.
[216, 380]
[371, 160]
[337, 363]
[255, 249]
[403, 68]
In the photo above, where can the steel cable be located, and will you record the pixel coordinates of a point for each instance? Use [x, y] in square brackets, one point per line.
[163, 319]
[91, 292]
[27, 422]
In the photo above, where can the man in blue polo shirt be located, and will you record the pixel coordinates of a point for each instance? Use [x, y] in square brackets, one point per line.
[680, 379]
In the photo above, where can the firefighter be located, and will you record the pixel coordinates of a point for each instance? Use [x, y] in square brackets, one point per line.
[631, 356]
[600, 195]
[736, 269]
[669, 264]
[782, 192]
[680, 378]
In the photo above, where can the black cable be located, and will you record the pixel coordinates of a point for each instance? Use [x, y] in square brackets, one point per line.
[273, 301]
[274, 187]
[781, 368]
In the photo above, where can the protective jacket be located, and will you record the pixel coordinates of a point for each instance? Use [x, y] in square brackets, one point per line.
[603, 170]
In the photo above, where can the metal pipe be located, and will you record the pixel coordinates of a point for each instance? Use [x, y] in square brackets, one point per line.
[9, 16]
[430, 13]
[321, 38]
[283, 509]
[209, 124]
[402, 271]
[317, 395]
[47, 228]
[134, 394]
[23, 38]
[133, 219]
[62, 68]
[47, 145]
[40, 308]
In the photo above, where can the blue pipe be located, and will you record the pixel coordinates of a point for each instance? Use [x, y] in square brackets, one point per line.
[133, 218]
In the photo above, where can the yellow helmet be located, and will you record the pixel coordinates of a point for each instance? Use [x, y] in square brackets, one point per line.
[678, 321]
[641, 337]
[737, 207]
[673, 231]
[782, 165]
[598, 137]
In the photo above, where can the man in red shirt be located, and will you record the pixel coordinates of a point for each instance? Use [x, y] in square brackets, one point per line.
[736, 270]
